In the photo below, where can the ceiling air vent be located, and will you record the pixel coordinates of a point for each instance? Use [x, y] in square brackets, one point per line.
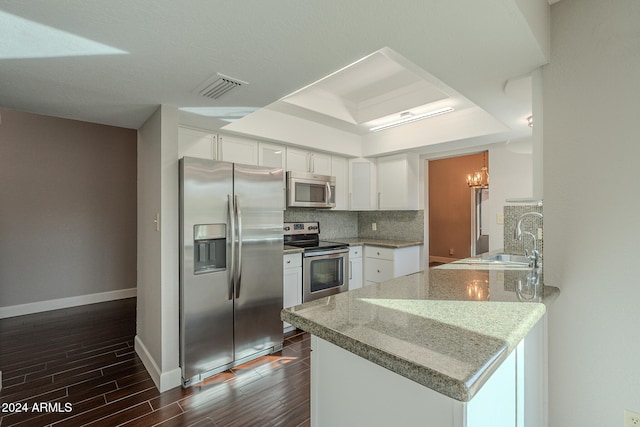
[218, 85]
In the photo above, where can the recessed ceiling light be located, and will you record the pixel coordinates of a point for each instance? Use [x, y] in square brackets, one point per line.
[408, 117]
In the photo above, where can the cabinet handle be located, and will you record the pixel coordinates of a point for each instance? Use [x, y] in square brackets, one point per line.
[289, 261]
[378, 200]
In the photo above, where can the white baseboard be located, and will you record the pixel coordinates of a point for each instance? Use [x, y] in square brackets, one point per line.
[442, 259]
[55, 304]
[163, 380]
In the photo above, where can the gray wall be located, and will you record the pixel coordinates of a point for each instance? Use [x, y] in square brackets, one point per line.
[67, 208]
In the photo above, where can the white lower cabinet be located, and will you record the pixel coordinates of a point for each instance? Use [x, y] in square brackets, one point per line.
[513, 396]
[292, 286]
[355, 267]
[381, 264]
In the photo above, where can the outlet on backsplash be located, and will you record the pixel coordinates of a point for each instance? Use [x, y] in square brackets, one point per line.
[374, 226]
[451, 251]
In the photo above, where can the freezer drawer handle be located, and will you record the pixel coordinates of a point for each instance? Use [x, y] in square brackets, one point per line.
[232, 232]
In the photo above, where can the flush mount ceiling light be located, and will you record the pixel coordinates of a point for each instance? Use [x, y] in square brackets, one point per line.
[408, 117]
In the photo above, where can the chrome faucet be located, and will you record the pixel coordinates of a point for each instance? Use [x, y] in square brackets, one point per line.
[535, 259]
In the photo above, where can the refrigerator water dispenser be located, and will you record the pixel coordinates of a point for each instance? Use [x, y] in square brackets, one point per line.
[210, 248]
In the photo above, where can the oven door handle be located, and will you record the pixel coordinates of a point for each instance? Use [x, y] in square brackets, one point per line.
[335, 252]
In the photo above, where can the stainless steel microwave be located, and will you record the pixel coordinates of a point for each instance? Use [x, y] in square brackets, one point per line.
[308, 190]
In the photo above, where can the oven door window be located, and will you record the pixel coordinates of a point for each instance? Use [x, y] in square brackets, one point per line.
[326, 274]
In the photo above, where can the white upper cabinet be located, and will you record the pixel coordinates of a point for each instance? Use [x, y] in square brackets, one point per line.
[362, 185]
[398, 185]
[237, 149]
[321, 163]
[197, 143]
[308, 161]
[340, 169]
[271, 155]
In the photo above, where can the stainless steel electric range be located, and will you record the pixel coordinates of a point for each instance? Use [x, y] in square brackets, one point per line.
[325, 264]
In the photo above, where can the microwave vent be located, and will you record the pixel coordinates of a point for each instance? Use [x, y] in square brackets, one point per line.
[218, 85]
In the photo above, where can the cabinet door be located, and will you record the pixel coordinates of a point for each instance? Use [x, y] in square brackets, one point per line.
[378, 270]
[271, 155]
[197, 143]
[320, 163]
[238, 150]
[398, 182]
[308, 161]
[292, 287]
[362, 185]
[355, 273]
[340, 169]
[298, 160]
[292, 284]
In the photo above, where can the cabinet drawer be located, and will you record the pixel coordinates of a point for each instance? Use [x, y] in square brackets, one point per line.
[292, 261]
[378, 270]
[379, 253]
[355, 252]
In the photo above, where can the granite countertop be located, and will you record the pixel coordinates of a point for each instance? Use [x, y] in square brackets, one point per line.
[446, 328]
[292, 250]
[383, 243]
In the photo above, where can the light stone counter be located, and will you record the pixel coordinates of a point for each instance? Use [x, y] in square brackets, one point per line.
[383, 243]
[447, 328]
[292, 250]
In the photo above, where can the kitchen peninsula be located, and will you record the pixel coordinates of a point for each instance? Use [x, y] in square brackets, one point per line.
[463, 344]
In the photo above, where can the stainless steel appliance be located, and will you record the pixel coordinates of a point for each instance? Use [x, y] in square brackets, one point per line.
[325, 264]
[230, 265]
[479, 221]
[308, 190]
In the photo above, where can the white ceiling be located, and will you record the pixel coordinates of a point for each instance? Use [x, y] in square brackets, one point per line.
[115, 61]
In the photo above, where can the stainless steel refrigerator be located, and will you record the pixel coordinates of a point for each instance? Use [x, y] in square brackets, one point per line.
[231, 219]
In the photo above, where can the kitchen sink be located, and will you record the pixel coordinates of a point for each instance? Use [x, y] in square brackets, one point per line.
[507, 258]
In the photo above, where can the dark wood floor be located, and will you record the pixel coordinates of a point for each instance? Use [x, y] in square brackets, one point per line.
[77, 367]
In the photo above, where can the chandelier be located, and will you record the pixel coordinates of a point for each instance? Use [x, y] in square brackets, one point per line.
[479, 179]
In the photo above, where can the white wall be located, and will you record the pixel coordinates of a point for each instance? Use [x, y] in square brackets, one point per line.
[591, 154]
[510, 176]
[157, 335]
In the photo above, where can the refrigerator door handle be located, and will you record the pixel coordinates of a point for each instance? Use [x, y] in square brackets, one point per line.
[232, 237]
[239, 225]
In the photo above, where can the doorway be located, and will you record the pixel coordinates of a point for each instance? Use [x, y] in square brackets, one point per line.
[455, 219]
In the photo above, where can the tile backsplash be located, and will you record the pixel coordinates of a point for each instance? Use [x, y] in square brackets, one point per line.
[530, 224]
[394, 225]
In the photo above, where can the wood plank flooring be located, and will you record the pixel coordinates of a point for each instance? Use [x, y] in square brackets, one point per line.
[77, 367]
